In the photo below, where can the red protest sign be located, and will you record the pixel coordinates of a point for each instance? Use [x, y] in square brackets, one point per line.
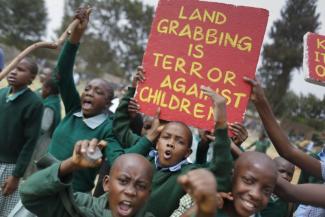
[194, 43]
[314, 58]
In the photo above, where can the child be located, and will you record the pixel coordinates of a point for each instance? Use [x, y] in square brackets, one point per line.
[309, 194]
[50, 120]
[20, 120]
[173, 146]
[253, 182]
[48, 192]
[86, 116]
[276, 206]
[262, 144]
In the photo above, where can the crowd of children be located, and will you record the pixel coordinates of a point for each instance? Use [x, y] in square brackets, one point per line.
[146, 171]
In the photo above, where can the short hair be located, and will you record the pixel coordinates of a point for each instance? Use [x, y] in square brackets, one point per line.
[54, 89]
[32, 65]
[188, 129]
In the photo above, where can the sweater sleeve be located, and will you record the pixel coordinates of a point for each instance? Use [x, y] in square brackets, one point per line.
[40, 192]
[32, 129]
[64, 76]
[222, 162]
[114, 150]
[121, 122]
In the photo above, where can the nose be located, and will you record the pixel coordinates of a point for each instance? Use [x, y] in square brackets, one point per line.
[170, 144]
[255, 194]
[130, 190]
[89, 92]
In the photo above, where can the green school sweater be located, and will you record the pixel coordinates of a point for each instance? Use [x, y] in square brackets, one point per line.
[46, 195]
[275, 207]
[20, 122]
[72, 129]
[53, 102]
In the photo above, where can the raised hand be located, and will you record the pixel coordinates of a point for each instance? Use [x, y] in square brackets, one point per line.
[258, 94]
[156, 127]
[219, 106]
[138, 77]
[240, 133]
[82, 14]
[133, 108]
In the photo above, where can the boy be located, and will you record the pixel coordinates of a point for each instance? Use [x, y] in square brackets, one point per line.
[86, 115]
[253, 181]
[308, 193]
[48, 192]
[20, 119]
[276, 206]
[173, 146]
[50, 120]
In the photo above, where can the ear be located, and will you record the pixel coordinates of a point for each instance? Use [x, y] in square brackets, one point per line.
[32, 77]
[189, 152]
[106, 183]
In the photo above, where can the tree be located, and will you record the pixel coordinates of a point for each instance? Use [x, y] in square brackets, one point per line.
[116, 36]
[22, 22]
[308, 110]
[285, 52]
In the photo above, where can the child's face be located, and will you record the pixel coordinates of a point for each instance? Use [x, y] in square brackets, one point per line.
[173, 144]
[95, 98]
[129, 187]
[21, 76]
[285, 169]
[252, 187]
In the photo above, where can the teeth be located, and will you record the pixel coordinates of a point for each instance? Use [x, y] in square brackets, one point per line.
[248, 204]
[126, 203]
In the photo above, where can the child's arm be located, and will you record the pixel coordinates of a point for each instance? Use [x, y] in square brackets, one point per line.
[31, 132]
[142, 146]
[64, 68]
[42, 192]
[222, 161]
[278, 137]
[121, 122]
[201, 185]
[311, 194]
[203, 146]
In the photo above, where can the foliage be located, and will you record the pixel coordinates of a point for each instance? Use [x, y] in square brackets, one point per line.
[22, 22]
[285, 53]
[117, 34]
[307, 110]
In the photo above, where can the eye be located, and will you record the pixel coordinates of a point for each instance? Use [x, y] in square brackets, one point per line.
[123, 180]
[141, 186]
[247, 180]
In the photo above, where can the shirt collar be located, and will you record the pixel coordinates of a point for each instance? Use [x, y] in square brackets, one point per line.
[92, 122]
[13, 96]
[174, 168]
[321, 154]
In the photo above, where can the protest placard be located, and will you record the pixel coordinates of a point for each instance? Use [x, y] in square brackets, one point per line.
[194, 43]
[314, 58]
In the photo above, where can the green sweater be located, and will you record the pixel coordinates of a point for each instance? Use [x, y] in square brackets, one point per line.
[276, 207]
[46, 195]
[72, 129]
[53, 102]
[20, 122]
[166, 193]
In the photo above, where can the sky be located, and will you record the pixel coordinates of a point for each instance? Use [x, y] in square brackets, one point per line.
[298, 84]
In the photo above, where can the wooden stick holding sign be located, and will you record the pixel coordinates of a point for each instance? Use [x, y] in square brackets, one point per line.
[41, 44]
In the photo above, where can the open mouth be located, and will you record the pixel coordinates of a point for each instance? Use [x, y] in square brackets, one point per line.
[11, 79]
[87, 104]
[167, 155]
[124, 208]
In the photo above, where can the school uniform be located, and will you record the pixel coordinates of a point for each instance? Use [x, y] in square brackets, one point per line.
[276, 207]
[74, 126]
[50, 120]
[20, 120]
[46, 195]
[166, 193]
